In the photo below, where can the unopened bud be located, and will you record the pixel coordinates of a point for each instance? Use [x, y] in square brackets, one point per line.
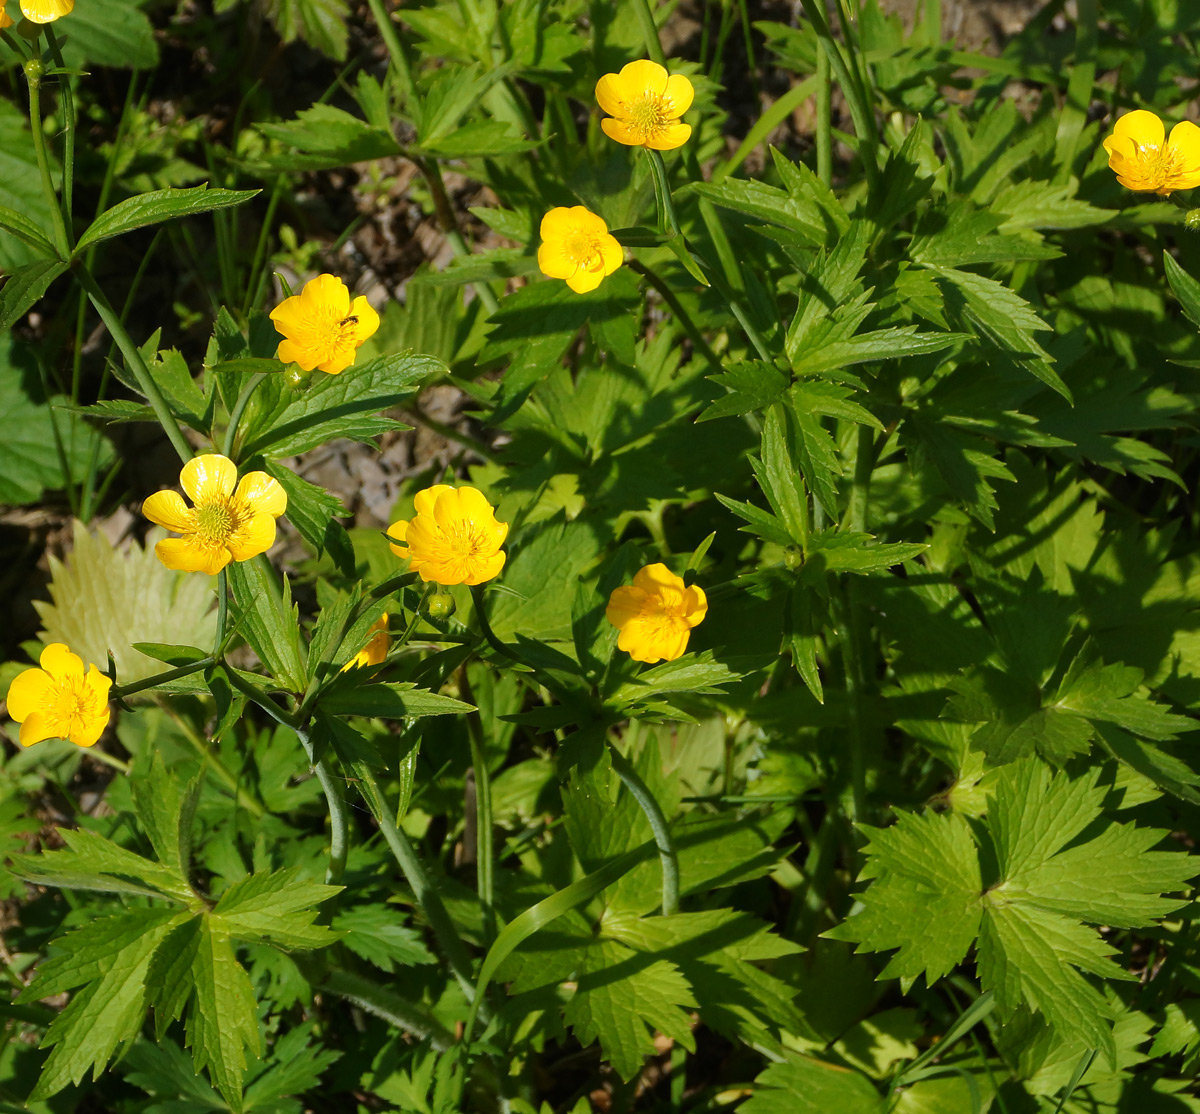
[33, 68]
[1191, 220]
[793, 558]
[297, 378]
[438, 606]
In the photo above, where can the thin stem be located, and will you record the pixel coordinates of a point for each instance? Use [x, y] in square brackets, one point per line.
[33, 76]
[68, 107]
[391, 40]
[119, 692]
[449, 225]
[485, 627]
[412, 1017]
[239, 408]
[339, 816]
[419, 881]
[632, 781]
[668, 295]
[137, 365]
[222, 611]
[645, 17]
[662, 189]
[484, 847]
[824, 120]
[108, 760]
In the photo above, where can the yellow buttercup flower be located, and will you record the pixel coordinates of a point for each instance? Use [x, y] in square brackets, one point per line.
[576, 246]
[375, 650]
[45, 11]
[454, 537]
[224, 524]
[656, 614]
[645, 104]
[60, 700]
[322, 327]
[5, 19]
[1145, 159]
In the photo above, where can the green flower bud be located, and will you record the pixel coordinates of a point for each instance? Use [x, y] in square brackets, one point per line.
[297, 378]
[438, 606]
[793, 558]
[1191, 220]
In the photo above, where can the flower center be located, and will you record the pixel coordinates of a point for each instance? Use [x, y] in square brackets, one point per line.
[664, 611]
[581, 248]
[215, 522]
[1159, 164]
[650, 114]
[70, 705]
[465, 542]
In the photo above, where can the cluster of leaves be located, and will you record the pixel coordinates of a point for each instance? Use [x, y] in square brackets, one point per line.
[927, 441]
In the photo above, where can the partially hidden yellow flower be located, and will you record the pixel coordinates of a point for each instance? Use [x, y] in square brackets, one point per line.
[60, 700]
[225, 524]
[454, 537]
[656, 614]
[576, 246]
[375, 650]
[44, 11]
[322, 327]
[1145, 159]
[645, 104]
[5, 19]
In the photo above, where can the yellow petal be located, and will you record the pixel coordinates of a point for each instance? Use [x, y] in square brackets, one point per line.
[448, 510]
[620, 131]
[424, 501]
[326, 293]
[638, 642]
[624, 604]
[59, 662]
[37, 728]
[1144, 128]
[474, 506]
[289, 313]
[91, 731]
[553, 262]
[1185, 138]
[46, 11]
[584, 280]
[611, 253]
[99, 683]
[557, 223]
[608, 95]
[697, 605]
[368, 319]
[167, 508]
[399, 531]
[256, 536]
[680, 93]
[5, 19]
[642, 76]
[653, 578]
[26, 693]
[672, 136]
[262, 494]
[187, 555]
[342, 358]
[208, 478]
[291, 352]
[487, 570]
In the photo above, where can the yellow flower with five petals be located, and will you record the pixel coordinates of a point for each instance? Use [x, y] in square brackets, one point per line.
[322, 327]
[1145, 159]
[454, 537]
[60, 700]
[225, 523]
[577, 246]
[656, 614]
[39, 11]
[645, 104]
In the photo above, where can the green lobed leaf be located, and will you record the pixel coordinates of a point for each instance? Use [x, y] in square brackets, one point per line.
[347, 697]
[801, 1085]
[269, 620]
[19, 225]
[25, 286]
[378, 934]
[276, 908]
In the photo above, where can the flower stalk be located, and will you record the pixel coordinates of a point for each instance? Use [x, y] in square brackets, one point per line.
[649, 805]
[33, 77]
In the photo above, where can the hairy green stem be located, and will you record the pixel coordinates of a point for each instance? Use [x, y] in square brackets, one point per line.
[391, 41]
[412, 1017]
[860, 111]
[239, 408]
[645, 17]
[222, 611]
[824, 120]
[449, 225]
[68, 108]
[688, 325]
[418, 880]
[484, 828]
[137, 365]
[640, 791]
[33, 77]
[339, 816]
[119, 692]
[485, 627]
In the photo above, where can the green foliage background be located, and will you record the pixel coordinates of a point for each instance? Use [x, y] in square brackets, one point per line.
[911, 393]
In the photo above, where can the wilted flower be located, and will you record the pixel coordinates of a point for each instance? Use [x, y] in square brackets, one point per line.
[656, 615]
[576, 246]
[225, 524]
[375, 650]
[43, 11]
[454, 537]
[60, 700]
[1145, 159]
[645, 105]
[324, 329]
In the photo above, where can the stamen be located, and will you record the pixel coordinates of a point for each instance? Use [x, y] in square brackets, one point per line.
[214, 521]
